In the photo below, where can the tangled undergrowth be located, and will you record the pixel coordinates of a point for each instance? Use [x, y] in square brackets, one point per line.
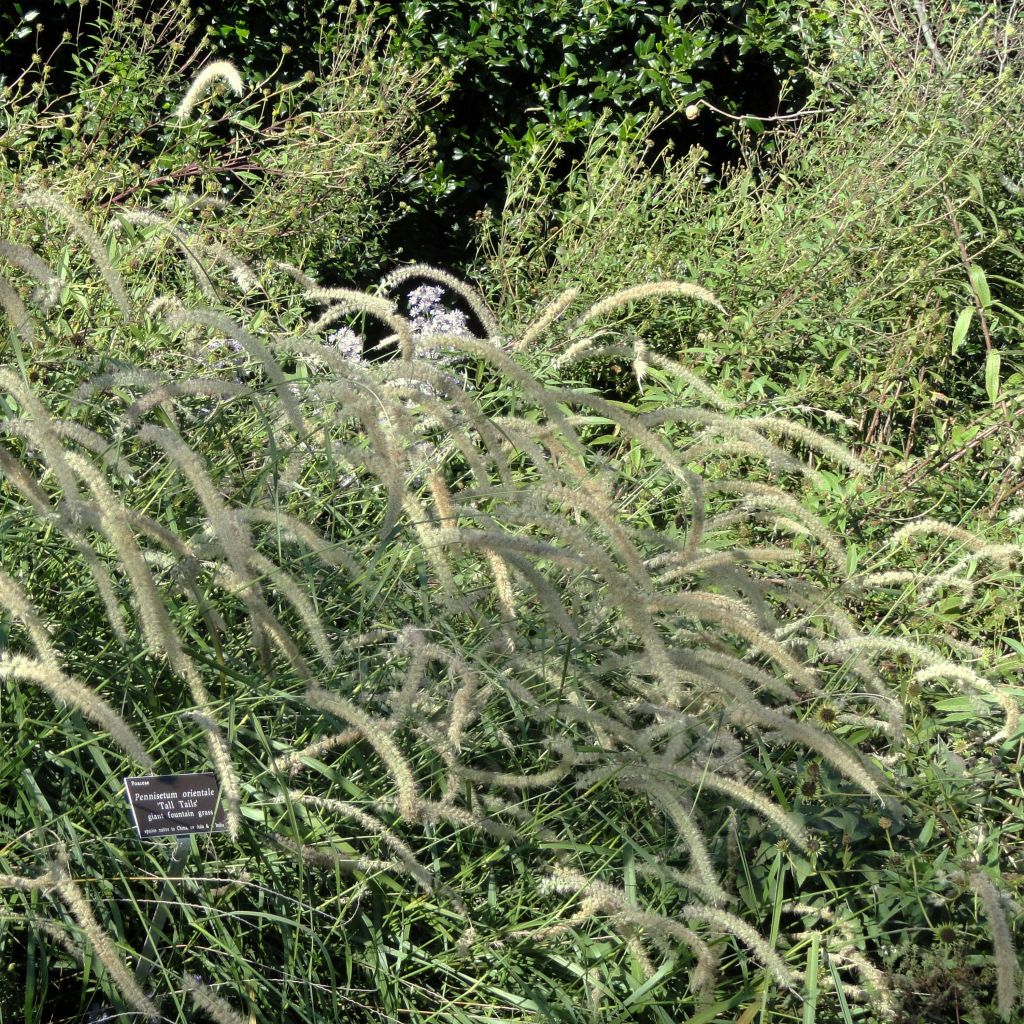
[486, 664]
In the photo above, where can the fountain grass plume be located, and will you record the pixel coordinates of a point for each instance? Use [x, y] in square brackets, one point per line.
[548, 316]
[1003, 556]
[447, 416]
[881, 988]
[287, 587]
[640, 292]
[217, 71]
[18, 314]
[374, 733]
[472, 820]
[227, 326]
[230, 532]
[191, 244]
[928, 527]
[156, 625]
[1007, 966]
[593, 348]
[933, 667]
[757, 717]
[266, 630]
[291, 529]
[330, 859]
[47, 289]
[102, 944]
[346, 300]
[759, 497]
[422, 874]
[64, 689]
[689, 831]
[540, 780]
[546, 593]
[730, 924]
[600, 897]
[50, 202]
[294, 762]
[739, 793]
[220, 754]
[219, 1010]
[15, 603]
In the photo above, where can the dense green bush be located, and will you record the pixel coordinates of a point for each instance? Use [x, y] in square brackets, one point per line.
[844, 259]
[305, 164]
[547, 68]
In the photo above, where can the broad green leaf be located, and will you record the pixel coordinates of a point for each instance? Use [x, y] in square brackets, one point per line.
[957, 704]
[992, 364]
[979, 284]
[962, 435]
[852, 558]
[927, 832]
[963, 325]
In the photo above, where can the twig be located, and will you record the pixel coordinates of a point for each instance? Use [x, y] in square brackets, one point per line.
[926, 31]
[914, 474]
[192, 170]
[764, 117]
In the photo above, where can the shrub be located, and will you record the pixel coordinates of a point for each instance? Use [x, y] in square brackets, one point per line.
[302, 163]
[844, 259]
[546, 67]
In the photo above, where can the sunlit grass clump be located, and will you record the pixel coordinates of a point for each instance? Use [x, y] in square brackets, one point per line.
[413, 609]
[492, 670]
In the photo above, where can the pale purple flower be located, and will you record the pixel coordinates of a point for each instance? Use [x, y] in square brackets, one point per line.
[348, 343]
[428, 316]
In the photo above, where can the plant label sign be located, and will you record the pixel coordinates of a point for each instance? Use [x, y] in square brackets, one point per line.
[175, 805]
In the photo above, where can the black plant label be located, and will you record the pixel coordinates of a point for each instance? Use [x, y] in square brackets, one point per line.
[175, 805]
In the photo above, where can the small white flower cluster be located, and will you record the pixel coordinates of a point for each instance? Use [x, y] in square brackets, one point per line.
[428, 317]
[348, 343]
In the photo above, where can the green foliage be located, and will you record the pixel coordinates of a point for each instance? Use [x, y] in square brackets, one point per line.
[547, 68]
[441, 605]
[844, 258]
[570, 63]
[303, 162]
[444, 634]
